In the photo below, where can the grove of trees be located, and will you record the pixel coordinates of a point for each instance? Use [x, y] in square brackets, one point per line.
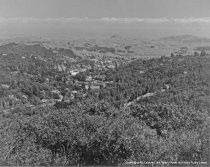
[171, 125]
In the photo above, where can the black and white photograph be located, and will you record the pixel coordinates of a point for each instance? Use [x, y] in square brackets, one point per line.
[105, 83]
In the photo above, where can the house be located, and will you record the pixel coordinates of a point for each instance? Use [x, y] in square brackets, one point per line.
[24, 96]
[89, 78]
[55, 51]
[44, 100]
[83, 70]
[86, 87]
[74, 73]
[6, 86]
[55, 91]
[14, 72]
[111, 66]
[74, 92]
[94, 86]
[163, 90]
[61, 67]
[47, 80]
[167, 86]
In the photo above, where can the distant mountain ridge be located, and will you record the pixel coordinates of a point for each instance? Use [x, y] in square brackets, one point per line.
[185, 38]
[23, 49]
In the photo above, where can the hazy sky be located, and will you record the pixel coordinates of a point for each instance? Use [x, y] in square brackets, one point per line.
[143, 17]
[104, 8]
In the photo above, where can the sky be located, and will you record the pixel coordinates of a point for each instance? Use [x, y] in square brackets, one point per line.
[104, 8]
[112, 16]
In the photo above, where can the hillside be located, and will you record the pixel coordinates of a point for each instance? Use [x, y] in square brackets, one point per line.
[100, 109]
[185, 39]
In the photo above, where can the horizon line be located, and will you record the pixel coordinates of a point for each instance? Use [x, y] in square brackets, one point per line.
[109, 19]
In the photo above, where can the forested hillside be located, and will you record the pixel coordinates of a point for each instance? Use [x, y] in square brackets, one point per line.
[151, 110]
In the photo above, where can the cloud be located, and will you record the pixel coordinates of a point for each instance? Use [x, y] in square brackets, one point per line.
[158, 20]
[108, 20]
[148, 20]
[193, 20]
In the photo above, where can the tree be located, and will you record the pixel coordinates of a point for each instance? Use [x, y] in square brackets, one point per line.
[203, 53]
[196, 54]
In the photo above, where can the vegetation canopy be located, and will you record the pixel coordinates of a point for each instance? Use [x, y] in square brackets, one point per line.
[143, 111]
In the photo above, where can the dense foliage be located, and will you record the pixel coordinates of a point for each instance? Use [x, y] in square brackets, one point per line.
[154, 110]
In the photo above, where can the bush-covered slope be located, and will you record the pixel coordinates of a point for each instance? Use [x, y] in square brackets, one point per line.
[167, 119]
